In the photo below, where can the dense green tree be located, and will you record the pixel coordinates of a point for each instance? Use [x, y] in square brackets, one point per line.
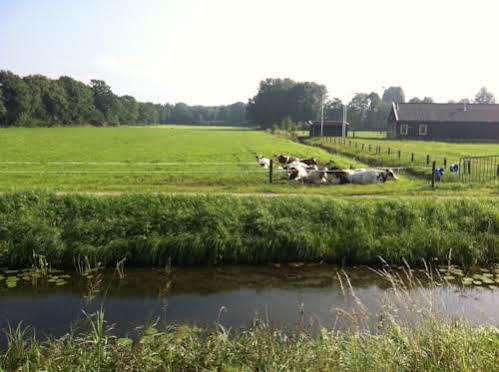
[333, 109]
[104, 98]
[394, 94]
[148, 113]
[484, 96]
[278, 99]
[182, 114]
[3, 110]
[79, 96]
[357, 111]
[16, 99]
[127, 109]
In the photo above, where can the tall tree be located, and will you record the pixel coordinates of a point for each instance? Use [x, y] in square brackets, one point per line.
[3, 110]
[79, 96]
[484, 96]
[394, 94]
[16, 98]
[333, 109]
[103, 96]
[357, 110]
[278, 99]
[129, 112]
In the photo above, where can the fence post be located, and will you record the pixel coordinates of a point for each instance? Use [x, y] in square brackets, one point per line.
[427, 159]
[388, 151]
[469, 167]
[445, 162]
[497, 172]
[412, 157]
[362, 147]
[271, 169]
[433, 174]
[369, 147]
[399, 154]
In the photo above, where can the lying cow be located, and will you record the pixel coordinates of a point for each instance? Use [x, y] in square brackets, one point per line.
[284, 160]
[299, 171]
[365, 176]
[264, 162]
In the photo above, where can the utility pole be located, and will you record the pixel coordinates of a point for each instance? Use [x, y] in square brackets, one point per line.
[344, 122]
[322, 117]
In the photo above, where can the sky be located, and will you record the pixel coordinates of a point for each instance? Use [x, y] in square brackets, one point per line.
[214, 52]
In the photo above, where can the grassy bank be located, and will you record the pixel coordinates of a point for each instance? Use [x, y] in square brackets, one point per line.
[434, 345]
[152, 229]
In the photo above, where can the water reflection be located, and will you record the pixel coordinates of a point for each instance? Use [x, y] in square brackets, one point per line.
[282, 295]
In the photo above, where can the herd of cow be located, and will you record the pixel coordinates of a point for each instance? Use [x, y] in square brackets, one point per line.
[310, 171]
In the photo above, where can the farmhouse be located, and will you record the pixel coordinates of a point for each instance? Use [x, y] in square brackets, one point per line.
[331, 128]
[444, 121]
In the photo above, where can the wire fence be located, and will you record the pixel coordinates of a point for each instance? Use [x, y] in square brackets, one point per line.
[479, 169]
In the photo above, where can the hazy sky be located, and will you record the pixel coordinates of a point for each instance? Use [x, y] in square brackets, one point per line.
[217, 51]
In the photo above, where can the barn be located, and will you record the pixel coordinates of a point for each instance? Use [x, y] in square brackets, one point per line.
[444, 121]
[330, 129]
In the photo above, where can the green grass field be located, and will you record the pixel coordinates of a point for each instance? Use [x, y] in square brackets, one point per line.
[169, 158]
[366, 134]
[110, 158]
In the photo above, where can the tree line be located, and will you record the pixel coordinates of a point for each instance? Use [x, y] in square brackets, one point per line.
[280, 102]
[37, 100]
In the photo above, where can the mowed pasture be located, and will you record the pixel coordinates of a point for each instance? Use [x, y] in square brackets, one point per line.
[167, 158]
[161, 158]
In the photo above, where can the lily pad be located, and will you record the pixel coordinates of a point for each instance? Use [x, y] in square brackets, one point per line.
[487, 275]
[11, 271]
[149, 331]
[11, 284]
[488, 281]
[60, 283]
[449, 277]
[477, 282]
[485, 270]
[124, 342]
[493, 287]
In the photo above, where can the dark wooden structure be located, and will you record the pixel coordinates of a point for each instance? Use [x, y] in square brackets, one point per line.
[444, 121]
[331, 128]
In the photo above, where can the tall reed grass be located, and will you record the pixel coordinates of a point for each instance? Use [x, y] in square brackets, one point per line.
[149, 229]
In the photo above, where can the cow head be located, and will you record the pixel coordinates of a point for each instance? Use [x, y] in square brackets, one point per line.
[390, 174]
[292, 173]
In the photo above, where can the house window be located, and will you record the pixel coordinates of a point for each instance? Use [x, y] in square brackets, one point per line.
[404, 129]
[423, 129]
